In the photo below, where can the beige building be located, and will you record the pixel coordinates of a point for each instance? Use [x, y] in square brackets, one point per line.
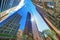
[19, 35]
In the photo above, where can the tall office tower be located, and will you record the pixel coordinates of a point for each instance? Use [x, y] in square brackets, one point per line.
[28, 35]
[9, 29]
[54, 15]
[35, 29]
[7, 6]
[30, 31]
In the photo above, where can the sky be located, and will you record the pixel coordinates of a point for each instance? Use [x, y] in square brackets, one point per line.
[29, 7]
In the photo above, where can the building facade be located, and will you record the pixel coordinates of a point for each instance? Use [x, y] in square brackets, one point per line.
[7, 6]
[10, 27]
[19, 35]
[31, 31]
[52, 14]
[28, 35]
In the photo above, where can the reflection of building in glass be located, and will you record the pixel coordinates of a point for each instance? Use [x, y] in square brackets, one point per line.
[31, 31]
[7, 6]
[10, 27]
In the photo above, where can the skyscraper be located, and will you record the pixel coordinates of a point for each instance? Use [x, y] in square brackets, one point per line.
[31, 30]
[9, 29]
[35, 29]
[28, 35]
[7, 6]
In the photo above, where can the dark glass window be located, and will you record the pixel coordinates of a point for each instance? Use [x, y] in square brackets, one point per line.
[6, 32]
[0, 2]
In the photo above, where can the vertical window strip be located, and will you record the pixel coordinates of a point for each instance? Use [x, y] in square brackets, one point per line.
[1, 5]
[4, 5]
[11, 3]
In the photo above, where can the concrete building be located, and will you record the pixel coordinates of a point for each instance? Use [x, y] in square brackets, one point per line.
[9, 29]
[53, 15]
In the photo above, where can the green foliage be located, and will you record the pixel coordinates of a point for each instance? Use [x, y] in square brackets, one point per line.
[50, 34]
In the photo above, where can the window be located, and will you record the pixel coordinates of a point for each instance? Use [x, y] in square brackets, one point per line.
[0, 2]
[6, 32]
[1, 31]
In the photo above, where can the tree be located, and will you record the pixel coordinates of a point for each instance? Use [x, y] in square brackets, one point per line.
[50, 34]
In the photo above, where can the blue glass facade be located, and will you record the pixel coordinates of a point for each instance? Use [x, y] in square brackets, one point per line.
[7, 4]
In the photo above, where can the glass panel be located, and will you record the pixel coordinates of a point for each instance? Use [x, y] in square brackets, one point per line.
[0, 2]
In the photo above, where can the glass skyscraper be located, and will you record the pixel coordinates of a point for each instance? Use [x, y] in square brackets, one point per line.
[31, 30]
[9, 29]
[28, 28]
[7, 6]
